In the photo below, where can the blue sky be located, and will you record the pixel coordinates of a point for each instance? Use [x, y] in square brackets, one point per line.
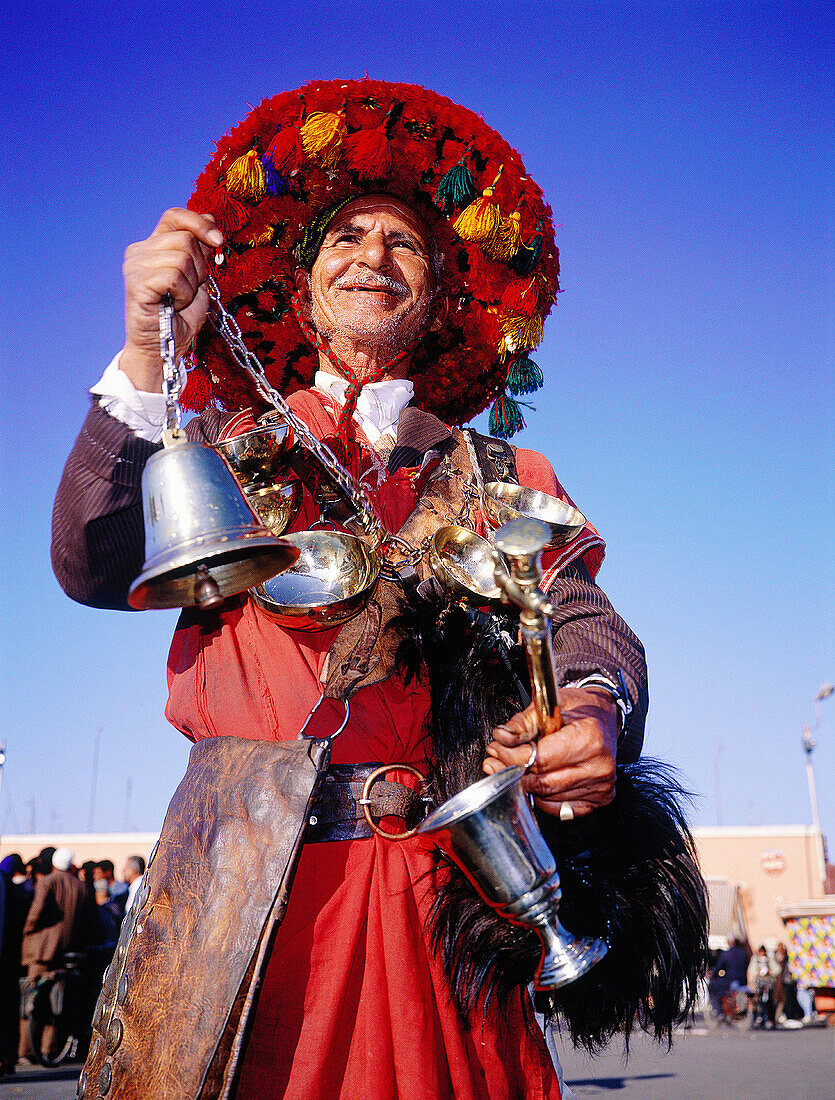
[686, 152]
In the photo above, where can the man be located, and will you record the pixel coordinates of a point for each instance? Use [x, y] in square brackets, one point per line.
[55, 922]
[116, 891]
[132, 873]
[332, 240]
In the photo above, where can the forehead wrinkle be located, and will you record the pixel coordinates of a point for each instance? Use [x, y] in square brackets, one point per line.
[391, 236]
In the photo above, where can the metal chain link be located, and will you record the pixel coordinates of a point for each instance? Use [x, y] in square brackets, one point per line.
[227, 327]
[171, 379]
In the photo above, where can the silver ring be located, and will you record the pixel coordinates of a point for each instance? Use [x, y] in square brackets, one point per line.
[566, 812]
[532, 757]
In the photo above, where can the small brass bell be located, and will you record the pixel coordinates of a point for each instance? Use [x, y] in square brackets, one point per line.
[203, 541]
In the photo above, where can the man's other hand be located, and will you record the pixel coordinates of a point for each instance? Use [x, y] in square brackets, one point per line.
[575, 759]
[173, 260]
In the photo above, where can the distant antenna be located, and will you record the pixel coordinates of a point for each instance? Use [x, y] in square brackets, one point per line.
[717, 781]
[94, 780]
[128, 792]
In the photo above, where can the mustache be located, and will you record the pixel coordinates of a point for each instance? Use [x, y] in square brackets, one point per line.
[371, 281]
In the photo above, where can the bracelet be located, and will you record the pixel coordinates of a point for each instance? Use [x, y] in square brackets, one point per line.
[618, 692]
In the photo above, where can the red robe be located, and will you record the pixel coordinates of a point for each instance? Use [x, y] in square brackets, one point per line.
[355, 1002]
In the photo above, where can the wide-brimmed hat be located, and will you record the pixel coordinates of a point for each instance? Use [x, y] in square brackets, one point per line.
[298, 156]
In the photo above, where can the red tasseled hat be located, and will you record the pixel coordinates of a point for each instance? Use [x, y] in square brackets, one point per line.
[303, 152]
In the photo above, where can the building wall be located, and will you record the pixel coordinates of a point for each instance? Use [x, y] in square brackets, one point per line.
[773, 867]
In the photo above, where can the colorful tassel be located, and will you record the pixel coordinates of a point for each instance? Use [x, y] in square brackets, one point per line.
[505, 242]
[245, 176]
[322, 136]
[368, 153]
[521, 297]
[528, 255]
[275, 183]
[524, 376]
[522, 333]
[286, 152]
[230, 213]
[456, 188]
[480, 220]
[505, 418]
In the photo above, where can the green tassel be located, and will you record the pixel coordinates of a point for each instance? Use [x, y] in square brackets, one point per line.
[456, 188]
[524, 376]
[505, 418]
[528, 255]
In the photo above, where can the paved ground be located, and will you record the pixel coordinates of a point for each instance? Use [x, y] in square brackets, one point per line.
[728, 1064]
[713, 1064]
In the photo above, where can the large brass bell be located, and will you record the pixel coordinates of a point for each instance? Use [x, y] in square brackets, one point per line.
[203, 541]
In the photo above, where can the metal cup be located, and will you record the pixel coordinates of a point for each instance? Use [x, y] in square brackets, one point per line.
[490, 832]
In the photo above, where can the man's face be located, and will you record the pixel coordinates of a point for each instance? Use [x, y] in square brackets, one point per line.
[371, 283]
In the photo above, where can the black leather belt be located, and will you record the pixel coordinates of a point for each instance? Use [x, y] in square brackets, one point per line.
[338, 811]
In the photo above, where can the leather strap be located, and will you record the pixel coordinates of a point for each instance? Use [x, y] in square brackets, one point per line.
[336, 813]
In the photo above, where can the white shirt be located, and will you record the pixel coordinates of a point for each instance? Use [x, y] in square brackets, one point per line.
[377, 412]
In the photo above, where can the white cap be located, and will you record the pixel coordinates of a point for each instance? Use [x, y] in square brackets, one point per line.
[62, 859]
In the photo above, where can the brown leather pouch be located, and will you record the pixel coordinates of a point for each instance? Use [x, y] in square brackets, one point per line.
[178, 998]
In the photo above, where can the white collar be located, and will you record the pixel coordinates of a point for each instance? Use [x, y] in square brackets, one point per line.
[379, 404]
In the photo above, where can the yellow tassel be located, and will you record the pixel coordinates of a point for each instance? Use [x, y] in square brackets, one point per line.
[245, 176]
[479, 221]
[505, 242]
[521, 333]
[322, 136]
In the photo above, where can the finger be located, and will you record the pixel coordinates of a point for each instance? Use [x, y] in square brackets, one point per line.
[176, 276]
[202, 226]
[524, 727]
[166, 247]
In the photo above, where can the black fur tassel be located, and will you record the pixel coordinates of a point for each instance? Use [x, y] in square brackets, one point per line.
[629, 872]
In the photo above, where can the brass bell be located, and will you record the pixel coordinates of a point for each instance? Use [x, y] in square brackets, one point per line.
[203, 541]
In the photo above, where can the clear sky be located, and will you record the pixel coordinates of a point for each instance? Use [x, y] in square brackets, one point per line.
[686, 150]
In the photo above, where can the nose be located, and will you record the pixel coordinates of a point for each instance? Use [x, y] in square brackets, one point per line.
[373, 252]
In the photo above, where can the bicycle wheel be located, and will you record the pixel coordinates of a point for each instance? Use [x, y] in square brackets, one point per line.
[53, 1040]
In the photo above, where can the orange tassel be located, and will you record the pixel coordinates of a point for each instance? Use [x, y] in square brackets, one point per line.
[480, 220]
[322, 136]
[245, 176]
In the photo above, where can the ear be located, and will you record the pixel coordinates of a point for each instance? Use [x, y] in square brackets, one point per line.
[441, 306]
[302, 281]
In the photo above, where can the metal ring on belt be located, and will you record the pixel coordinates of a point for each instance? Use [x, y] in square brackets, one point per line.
[365, 801]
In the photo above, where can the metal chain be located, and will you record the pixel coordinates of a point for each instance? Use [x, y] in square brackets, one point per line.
[227, 327]
[171, 379]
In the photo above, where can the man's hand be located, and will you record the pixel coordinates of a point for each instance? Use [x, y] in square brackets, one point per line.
[171, 261]
[575, 761]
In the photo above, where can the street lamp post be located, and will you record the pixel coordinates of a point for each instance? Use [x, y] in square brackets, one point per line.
[824, 692]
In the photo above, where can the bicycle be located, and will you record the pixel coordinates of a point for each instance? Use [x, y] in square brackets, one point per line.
[56, 1010]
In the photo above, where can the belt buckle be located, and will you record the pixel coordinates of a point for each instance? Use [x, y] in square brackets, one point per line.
[365, 800]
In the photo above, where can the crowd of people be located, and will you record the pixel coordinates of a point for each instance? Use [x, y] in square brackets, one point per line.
[762, 981]
[50, 909]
